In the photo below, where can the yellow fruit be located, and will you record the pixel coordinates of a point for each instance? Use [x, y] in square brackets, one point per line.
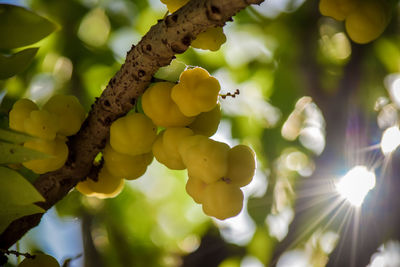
[196, 92]
[40, 260]
[158, 149]
[69, 111]
[222, 200]
[195, 188]
[347, 6]
[126, 166]
[43, 124]
[107, 186]
[158, 105]
[206, 123]
[331, 8]
[133, 134]
[166, 147]
[241, 165]
[174, 5]
[56, 148]
[366, 22]
[20, 112]
[83, 187]
[204, 158]
[211, 39]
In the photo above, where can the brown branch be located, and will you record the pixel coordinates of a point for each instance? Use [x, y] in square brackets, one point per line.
[157, 48]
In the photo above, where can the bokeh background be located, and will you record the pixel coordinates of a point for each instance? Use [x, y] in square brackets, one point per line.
[312, 104]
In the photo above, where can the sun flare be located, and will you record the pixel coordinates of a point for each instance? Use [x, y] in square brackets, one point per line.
[390, 140]
[355, 185]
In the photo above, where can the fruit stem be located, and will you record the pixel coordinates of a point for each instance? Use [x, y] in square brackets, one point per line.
[233, 95]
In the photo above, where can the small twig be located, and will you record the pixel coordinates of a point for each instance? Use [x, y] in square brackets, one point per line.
[68, 261]
[233, 95]
[16, 253]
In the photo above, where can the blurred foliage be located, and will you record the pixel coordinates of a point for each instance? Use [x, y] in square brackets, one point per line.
[276, 54]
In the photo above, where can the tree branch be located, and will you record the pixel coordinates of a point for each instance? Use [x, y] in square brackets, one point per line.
[157, 48]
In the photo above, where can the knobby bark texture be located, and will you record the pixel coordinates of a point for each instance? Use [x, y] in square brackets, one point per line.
[156, 49]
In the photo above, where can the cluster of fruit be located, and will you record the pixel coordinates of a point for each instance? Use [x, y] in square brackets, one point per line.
[188, 113]
[365, 20]
[211, 39]
[126, 156]
[61, 116]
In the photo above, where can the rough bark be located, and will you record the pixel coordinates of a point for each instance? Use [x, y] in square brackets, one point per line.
[157, 48]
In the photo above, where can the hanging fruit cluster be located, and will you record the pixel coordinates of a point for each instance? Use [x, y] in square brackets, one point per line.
[365, 20]
[186, 114]
[178, 121]
[61, 116]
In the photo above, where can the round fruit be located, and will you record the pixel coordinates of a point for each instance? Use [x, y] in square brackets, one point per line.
[204, 158]
[133, 134]
[69, 111]
[158, 149]
[222, 200]
[43, 124]
[126, 166]
[174, 5]
[166, 148]
[107, 186]
[347, 6]
[196, 92]
[159, 106]
[206, 123]
[56, 149]
[40, 260]
[331, 8]
[211, 39]
[241, 165]
[20, 112]
[367, 22]
[195, 188]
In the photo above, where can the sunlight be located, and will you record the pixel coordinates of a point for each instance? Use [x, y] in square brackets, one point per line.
[390, 140]
[355, 185]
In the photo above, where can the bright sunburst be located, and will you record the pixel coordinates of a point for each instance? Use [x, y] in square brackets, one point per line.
[355, 185]
[390, 140]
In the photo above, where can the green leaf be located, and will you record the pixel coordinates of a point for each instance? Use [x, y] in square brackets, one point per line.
[171, 72]
[17, 196]
[13, 153]
[14, 137]
[12, 212]
[16, 189]
[16, 63]
[20, 27]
